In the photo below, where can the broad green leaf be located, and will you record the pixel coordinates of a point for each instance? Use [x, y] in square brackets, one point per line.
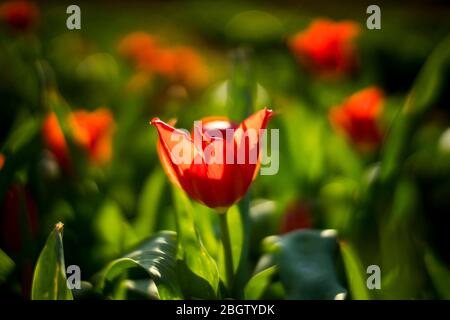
[305, 260]
[355, 273]
[203, 279]
[157, 256]
[6, 266]
[49, 281]
[439, 274]
[149, 199]
[113, 230]
[258, 283]
[137, 290]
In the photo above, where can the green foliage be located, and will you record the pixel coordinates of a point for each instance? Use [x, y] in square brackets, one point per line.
[157, 256]
[258, 283]
[49, 280]
[355, 273]
[198, 271]
[136, 238]
[6, 266]
[113, 231]
[308, 257]
[147, 216]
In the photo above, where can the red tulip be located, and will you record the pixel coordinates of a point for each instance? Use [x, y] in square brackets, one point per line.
[179, 64]
[19, 15]
[2, 160]
[358, 116]
[92, 131]
[18, 208]
[53, 137]
[326, 47]
[297, 216]
[215, 183]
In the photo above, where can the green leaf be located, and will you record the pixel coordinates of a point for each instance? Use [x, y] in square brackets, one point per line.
[157, 257]
[113, 230]
[137, 290]
[24, 132]
[355, 273]
[20, 146]
[426, 90]
[198, 270]
[49, 281]
[306, 265]
[439, 274]
[149, 199]
[258, 283]
[6, 266]
[206, 222]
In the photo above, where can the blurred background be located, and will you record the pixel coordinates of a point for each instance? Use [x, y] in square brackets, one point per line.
[364, 128]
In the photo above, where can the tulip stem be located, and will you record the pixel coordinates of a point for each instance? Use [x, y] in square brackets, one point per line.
[225, 234]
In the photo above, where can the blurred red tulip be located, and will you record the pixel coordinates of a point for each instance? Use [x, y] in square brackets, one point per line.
[190, 68]
[326, 47]
[216, 185]
[90, 130]
[179, 64]
[140, 48]
[20, 15]
[54, 140]
[2, 160]
[18, 209]
[297, 216]
[358, 117]
[93, 131]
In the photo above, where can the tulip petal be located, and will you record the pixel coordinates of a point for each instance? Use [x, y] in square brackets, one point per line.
[172, 141]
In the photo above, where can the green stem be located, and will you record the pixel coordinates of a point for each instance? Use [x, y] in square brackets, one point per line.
[225, 234]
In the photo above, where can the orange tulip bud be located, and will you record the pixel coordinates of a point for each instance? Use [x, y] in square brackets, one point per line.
[358, 116]
[297, 216]
[92, 131]
[2, 160]
[19, 15]
[326, 47]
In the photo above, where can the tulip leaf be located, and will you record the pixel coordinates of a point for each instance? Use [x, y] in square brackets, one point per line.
[157, 257]
[355, 274]
[305, 260]
[141, 289]
[6, 266]
[198, 270]
[426, 90]
[207, 223]
[113, 231]
[149, 200]
[19, 146]
[258, 283]
[439, 274]
[49, 281]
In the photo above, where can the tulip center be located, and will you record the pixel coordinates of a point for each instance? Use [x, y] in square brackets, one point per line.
[217, 127]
